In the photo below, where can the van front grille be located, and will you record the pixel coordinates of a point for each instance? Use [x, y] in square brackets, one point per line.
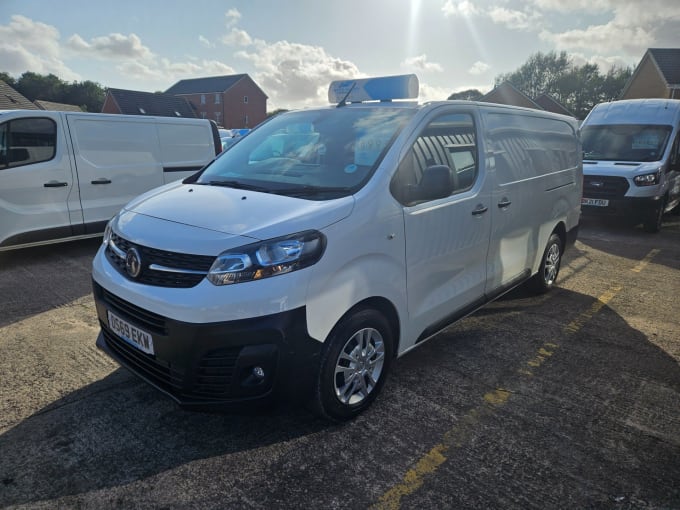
[181, 270]
[603, 186]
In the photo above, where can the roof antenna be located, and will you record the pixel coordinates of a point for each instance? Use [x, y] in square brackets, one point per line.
[344, 99]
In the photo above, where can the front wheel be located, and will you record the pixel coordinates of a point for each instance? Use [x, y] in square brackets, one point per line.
[354, 365]
[544, 280]
[653, 223]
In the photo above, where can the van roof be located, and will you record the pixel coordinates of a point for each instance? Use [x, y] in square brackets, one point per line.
[636, 111]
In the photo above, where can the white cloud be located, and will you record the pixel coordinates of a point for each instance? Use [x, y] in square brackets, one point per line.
[237, 37]
[233, 16]
[515, 20]
[463, 8]
[575, 5]
[293, 74]
[479, 67]
[611, 37]
[605, 63]
[205, 42]
[112, 46]
[432, 93]
[27, 45]
[633, 26]
[420, 63]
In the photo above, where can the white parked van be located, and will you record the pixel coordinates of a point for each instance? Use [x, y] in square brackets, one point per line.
[63, 175]
[330, 240]
[632, 160]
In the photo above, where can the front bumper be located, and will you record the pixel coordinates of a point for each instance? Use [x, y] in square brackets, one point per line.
[633, 208]
[204, 366]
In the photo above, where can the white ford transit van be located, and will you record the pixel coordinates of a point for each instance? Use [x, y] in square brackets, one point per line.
[330, 240]
[63, 175]
[632, 160]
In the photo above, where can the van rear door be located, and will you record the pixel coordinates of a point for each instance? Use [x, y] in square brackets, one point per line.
[116, 160]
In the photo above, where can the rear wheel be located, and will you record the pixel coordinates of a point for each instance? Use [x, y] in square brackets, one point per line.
[544, 280]
[354, 365]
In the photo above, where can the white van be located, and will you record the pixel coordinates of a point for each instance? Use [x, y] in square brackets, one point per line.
[330, 240]
[632, 160]
[63, 175]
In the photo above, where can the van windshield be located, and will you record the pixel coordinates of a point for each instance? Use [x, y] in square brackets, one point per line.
[625, 142]
[315, 154]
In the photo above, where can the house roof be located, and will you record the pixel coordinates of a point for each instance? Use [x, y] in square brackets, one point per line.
[507, 93]
[57, 107]
[208, 85]
[10, 99]
[133, 102]
[550, 104]
[668, 62]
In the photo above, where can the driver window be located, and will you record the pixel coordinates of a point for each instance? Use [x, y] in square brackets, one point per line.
[449, 141]
[27, 141]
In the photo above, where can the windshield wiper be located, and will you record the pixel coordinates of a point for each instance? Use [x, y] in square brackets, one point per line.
[311, 190]
[240, 185]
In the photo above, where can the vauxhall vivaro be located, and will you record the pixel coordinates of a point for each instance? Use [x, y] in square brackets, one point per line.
[330, 240]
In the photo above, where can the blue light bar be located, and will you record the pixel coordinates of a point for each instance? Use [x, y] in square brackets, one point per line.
[384, 88]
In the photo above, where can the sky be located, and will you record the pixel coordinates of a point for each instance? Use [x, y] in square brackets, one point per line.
[294, 48]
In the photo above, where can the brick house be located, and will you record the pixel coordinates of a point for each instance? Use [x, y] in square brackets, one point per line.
[657, 75]
[233, 102]
[133, 102]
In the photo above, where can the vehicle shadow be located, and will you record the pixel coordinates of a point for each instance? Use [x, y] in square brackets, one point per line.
[118, 430]
[614, 236]
[34, 280]
[588, 413]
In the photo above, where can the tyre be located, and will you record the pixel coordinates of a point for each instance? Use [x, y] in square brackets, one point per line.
[544, 280]
[354, 365]
[653, 223]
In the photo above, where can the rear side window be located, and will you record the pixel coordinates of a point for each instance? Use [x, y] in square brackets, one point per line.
[525, 147]
[27, 141]
[449, 141]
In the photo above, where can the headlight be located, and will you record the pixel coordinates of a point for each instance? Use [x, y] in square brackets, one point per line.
[107, 233]
[647, 179]
[268, 258]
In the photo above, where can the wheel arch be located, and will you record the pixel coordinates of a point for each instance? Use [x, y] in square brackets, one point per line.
[387, 309]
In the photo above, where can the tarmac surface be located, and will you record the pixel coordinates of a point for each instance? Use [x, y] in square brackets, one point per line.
[568, 400]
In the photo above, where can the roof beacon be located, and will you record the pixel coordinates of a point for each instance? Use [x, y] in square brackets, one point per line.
[384, 88]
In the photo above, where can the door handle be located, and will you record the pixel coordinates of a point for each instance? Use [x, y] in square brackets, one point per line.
[55, 184]
[504, 203]
[480, 209]
[103, 180]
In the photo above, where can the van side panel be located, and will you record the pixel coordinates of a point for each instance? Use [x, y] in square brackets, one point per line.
[537, 187]
[184, 148]
[116, 160]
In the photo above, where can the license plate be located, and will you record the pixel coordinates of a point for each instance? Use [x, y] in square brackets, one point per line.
[597, 202]
[131, 334]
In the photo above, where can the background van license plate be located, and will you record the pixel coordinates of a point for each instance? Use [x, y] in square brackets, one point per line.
[132, 335]
[598, 202]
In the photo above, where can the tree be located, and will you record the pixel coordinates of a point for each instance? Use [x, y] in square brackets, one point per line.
[7, 79]
[467, 95]
[578, 88]
[36, 86]
[86, 94]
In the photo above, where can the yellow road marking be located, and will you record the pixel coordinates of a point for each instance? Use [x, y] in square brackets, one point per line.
[645, 262]
[429, 463]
